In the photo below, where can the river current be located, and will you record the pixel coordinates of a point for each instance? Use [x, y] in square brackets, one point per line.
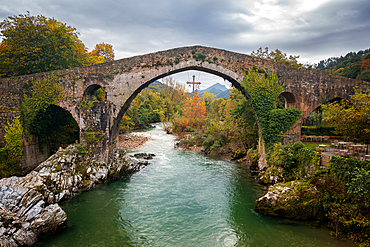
[182, 199]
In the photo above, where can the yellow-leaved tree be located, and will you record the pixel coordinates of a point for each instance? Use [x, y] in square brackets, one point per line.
[103, 51]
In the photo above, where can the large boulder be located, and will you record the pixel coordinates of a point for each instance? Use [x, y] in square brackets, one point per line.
[292, 200]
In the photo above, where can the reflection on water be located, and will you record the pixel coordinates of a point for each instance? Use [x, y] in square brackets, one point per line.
[181, 199]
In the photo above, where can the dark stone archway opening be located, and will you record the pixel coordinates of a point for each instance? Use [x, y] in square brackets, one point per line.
[314, 124]
[95, 92]
[315, 117]
[289, 99]
[62, 130]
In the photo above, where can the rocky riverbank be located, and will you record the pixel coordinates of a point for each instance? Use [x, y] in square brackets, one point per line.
[132, 140]
[29, 210]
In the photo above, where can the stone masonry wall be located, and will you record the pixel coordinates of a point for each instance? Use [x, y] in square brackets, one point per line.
[8, 111]
[32, 156]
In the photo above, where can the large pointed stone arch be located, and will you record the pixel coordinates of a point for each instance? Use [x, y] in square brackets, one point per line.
[228, 75]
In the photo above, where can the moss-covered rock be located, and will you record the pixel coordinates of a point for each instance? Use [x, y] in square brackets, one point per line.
[293, 200]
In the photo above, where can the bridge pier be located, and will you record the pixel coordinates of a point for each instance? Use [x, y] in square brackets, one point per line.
[95, 121]
[294, 133]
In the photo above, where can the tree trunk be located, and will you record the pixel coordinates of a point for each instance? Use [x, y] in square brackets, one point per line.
[262, 162]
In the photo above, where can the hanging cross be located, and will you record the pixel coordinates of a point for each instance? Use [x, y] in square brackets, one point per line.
[193, 82]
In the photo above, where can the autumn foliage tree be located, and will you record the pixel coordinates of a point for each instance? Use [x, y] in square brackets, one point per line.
[351, 118]
[355, 65]
[195, 112]
[103, 51]
[365, 64]
[33, 44]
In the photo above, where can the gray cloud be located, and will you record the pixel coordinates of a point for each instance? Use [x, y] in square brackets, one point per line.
[138, 27]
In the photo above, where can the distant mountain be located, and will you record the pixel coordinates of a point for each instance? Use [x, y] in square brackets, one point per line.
[156, 85]
[219, 90]
[224, 94]
[216, 86]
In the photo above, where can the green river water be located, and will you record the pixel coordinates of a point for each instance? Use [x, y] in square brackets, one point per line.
[182, 199]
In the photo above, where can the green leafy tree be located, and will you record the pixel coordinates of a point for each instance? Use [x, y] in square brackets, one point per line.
[175, 92]
[149, 106]
[32, 44]
[99, 95]
[215, 108]
[360, 183]
[9, 155]
[352, 117]
[364, 76]
[244, 119]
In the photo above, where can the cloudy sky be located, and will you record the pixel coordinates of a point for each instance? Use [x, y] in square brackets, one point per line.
[313, 29]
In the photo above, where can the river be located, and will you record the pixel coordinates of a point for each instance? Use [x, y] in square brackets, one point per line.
[182, 199]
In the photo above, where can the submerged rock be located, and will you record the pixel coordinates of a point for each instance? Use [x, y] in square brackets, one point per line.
[144, 156]
[29, 209]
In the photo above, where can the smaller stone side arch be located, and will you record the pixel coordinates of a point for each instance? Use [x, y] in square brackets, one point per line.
[290, 99]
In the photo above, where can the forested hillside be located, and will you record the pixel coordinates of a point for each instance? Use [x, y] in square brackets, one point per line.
[352, 65]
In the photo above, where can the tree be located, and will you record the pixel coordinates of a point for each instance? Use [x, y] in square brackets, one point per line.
[214, 109]
[279, 57]
[32, 44]
[13, 138]
[351, 118]
[208, 98]
[245, 121]
[364, 76]
[195, 111]
[175, 91]
[104, 50]
[365, 64]
[353, 65]
[9, 155]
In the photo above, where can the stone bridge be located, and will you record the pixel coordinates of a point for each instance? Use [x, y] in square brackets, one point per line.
[123, 79]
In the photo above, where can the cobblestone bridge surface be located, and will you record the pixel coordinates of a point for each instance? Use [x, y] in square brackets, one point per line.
[123, 79]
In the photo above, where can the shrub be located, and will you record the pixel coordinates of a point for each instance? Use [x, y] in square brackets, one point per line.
[354, 174]
[216, 145]
[13, 138]
[237, 153]
[294, 159]
[208, 142]
[318, 130]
